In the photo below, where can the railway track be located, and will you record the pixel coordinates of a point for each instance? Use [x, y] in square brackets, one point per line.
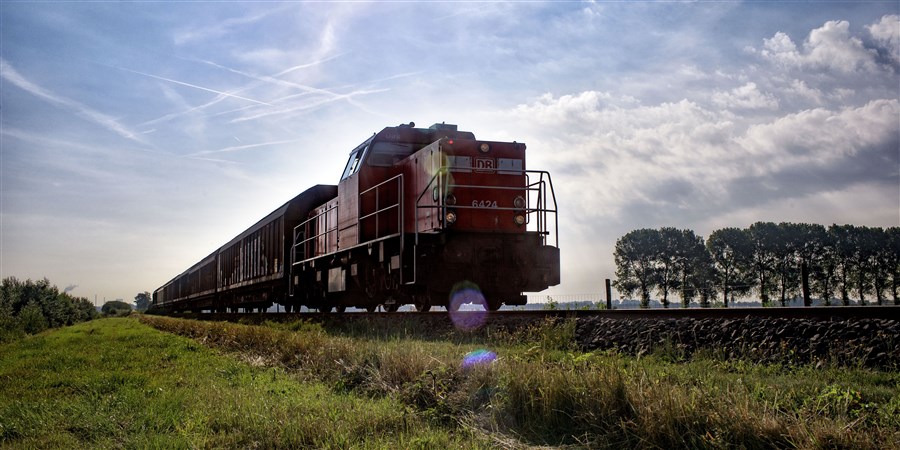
[820, 313]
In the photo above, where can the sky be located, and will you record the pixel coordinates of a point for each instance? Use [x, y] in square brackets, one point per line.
[138, 137]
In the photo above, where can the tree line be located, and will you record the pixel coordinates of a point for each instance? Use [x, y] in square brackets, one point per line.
[29, 307]
[778, 262]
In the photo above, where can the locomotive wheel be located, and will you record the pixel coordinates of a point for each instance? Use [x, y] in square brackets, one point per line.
[392, 307]
[325, 309]
[341, 309]
[371, 308]
[421, 307]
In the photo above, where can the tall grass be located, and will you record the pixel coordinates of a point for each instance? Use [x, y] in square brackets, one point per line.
[541, 391]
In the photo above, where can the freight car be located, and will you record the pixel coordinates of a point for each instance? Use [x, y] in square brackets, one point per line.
[423, 216]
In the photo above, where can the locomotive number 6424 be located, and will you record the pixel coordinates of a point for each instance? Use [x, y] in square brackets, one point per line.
[484, 203]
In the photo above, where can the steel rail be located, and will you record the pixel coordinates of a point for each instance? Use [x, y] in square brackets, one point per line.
[821, 313]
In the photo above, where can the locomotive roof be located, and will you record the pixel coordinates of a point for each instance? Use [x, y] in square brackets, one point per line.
[409, 133]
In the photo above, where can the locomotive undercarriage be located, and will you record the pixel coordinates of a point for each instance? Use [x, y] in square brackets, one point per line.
[492, 269]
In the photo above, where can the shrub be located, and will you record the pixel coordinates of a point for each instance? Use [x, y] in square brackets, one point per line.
[32, 319]
[33, 306]
[116, 308]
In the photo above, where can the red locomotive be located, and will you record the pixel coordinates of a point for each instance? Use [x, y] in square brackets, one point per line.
[418, 216]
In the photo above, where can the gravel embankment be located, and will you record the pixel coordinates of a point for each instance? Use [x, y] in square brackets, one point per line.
[867, 342]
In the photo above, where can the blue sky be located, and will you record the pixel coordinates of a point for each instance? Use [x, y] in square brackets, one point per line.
[138, 137]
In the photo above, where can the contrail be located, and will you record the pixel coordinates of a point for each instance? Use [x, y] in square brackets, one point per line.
[258, 80]
[10, 74]
[276, 81]
[237, 147]
[193, 86]
[309, 105]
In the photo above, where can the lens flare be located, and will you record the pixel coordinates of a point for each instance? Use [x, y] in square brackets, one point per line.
[466, 292]
[479, 357]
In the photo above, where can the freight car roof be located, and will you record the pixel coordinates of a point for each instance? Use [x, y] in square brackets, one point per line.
[295, 209]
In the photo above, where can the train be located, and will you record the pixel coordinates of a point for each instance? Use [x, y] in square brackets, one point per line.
[429, 217]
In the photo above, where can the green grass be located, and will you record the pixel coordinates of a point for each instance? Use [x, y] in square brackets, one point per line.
[117, 383]
[542, 391]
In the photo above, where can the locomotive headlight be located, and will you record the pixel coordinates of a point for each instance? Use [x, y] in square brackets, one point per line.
[450, 200]
[519, 219]
[519, 202]
[485, 148]
[450, 217]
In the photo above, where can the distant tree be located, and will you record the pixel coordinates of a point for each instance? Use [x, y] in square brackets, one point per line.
[842, 260]
[892, 262]
[635, 256]
[825, 269]
[764, 236]
[844, 239]
[786, 240]
[691, 263]
[115, 307]
[704, 280]
[142, 301]
[667, 258]
[864, 250]
[731, 251]
[807, 243]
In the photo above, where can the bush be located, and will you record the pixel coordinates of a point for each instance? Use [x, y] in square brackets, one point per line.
[32, 306]
[32, 319]
[116, 308]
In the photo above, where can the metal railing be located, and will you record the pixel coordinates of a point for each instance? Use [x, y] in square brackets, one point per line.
[302, 242]
[379, 211]
[540, 201]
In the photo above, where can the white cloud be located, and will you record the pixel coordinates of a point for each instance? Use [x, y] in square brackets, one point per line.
[687, 160]
[747, 96]
[829, 48]
[801, 89]
[887, 33]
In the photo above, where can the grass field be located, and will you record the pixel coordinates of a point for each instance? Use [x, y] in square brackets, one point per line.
[120, 383]
[116, 383]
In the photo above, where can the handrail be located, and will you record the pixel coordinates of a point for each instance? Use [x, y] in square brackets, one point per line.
[544, 201]
[379, 212]
[378, 209]
[305, 242]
